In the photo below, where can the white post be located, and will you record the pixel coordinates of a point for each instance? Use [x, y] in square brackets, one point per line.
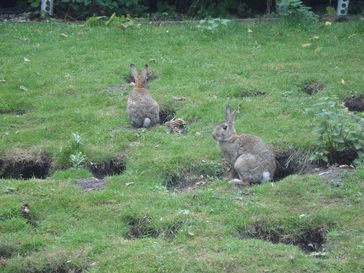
[342, 7]
[47, 6]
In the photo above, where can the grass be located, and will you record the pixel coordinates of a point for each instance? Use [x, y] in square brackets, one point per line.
[54, 81]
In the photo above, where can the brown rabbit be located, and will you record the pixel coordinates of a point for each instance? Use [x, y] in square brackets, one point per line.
[143, 110]
[247, 156]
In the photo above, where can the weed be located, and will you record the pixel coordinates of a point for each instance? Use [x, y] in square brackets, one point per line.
[294, 11]
[213, 25]
[73, 154]
[338, 133]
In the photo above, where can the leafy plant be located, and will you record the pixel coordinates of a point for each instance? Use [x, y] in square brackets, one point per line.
[73, 154]
[337, 131]
[77, 159]
[294, 11]
[213, 24]
[121, 21]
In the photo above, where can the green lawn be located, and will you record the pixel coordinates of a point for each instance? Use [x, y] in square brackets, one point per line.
[56, 80]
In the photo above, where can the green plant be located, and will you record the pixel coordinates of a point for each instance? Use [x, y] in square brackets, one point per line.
[73, 154]
[121, 21]
[294, 11]
[337, 131]
[77, 159]
[212, 24]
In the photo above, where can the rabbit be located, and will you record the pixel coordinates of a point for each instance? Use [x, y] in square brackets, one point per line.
[247, 156]
[143, 110]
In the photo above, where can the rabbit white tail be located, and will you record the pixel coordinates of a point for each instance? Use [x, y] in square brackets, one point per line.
[147, 122]
[266, 177]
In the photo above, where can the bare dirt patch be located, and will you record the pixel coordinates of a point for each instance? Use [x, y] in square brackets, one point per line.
[91, 184]
[355, 103]
[23, 164]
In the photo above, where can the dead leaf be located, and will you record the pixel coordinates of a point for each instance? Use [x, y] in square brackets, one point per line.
[317, 50]
[26, 60]
[327, 23]
[64, 35]
[129, 184]
[306, 45]
[23, 88]
[342, 82]
[249, 30]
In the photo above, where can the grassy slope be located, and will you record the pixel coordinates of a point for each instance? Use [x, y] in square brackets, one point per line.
[70, 68]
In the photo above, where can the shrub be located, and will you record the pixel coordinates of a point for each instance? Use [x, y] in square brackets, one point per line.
[294, 11]
[337, 131]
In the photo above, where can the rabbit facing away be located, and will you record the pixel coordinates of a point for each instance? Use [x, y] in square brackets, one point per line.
[249, 159]
[143, 110]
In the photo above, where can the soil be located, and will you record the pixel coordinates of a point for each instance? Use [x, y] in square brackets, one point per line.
[355, 104]
[109, 167]
[23, 164]
[91, 184]
[313, 86]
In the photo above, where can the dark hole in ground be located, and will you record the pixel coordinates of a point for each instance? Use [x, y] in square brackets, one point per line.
[13, 111]
[291, 162]
[345, 157]
[109, 167]
[22, 164]
[250, 93]
[28, 215]
[91, 184]
[193, 177]
[309, 239]
[355, 104]
[54, 263]
[6, 251]
[142, 227]
[166, 114]
[311, 87]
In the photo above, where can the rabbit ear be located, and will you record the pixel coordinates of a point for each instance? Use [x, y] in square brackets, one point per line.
[134, 71]
[229, 114]
[145, 71]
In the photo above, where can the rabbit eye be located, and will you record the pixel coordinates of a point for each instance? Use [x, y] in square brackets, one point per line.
[224, 127]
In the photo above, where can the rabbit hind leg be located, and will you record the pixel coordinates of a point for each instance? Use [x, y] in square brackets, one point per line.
[249, 168]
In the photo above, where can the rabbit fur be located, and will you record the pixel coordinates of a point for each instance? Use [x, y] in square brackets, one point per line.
[143, 110]
[247, 156]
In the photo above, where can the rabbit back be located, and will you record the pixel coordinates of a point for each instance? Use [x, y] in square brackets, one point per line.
[255, 162]
[252, 159]
[142, 106]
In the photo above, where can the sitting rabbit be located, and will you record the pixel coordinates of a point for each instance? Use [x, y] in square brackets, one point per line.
[248, 157]
[143, 110]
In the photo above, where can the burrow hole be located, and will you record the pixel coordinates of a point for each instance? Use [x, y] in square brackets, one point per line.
[107, 167]
[311, 87]
[355, 103]
[192, 177]
[23, 164]
[144, 227]
[291, 162]
[309, 239]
